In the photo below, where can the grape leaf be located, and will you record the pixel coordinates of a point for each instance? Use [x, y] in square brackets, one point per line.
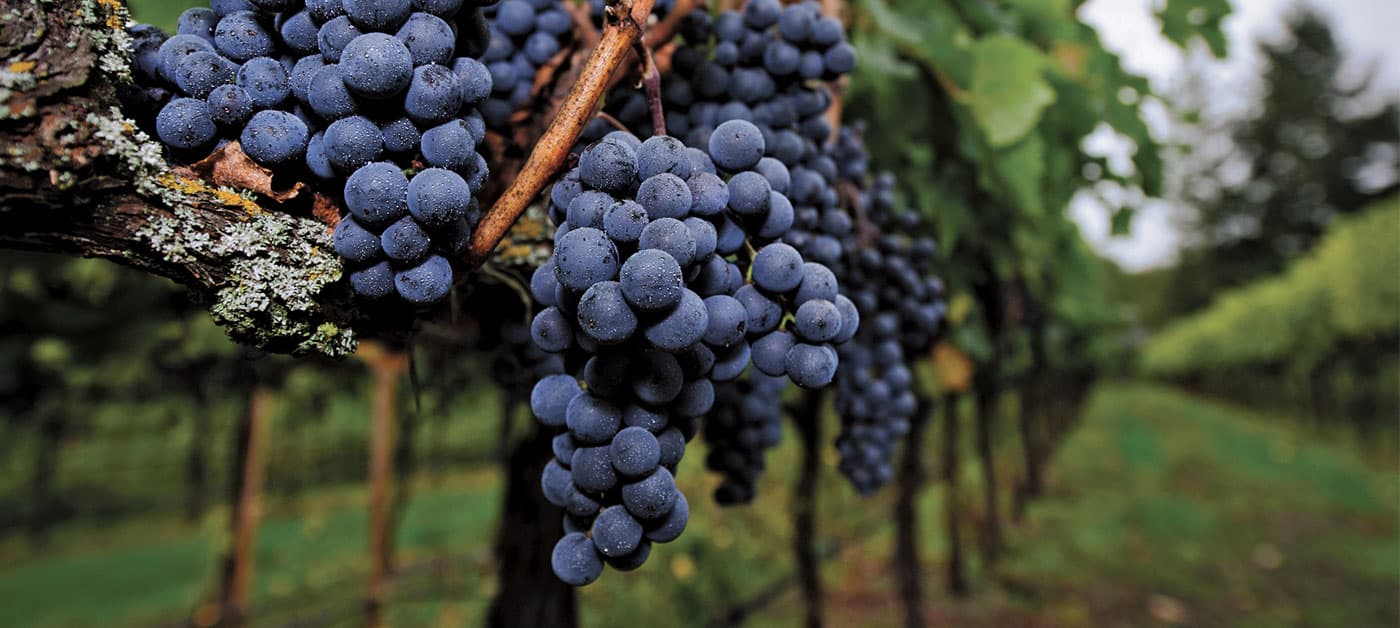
[1019, 171]
[1009, 91]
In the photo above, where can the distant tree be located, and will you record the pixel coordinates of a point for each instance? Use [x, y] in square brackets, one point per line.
[1264, 183]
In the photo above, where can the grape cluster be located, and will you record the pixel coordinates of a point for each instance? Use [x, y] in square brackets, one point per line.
[351, 92]
[746, 422]
[894, 286]
[765, 65]
[761, 65]
[525, 34]
[647, 280]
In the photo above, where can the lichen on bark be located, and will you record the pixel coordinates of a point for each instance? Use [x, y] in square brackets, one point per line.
[78, 176]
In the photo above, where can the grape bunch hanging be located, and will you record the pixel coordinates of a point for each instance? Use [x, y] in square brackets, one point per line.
[645, 285]
[696, 275]
[376, 99]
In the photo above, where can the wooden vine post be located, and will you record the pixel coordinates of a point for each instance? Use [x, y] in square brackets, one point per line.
[250, 464]
[388, 367]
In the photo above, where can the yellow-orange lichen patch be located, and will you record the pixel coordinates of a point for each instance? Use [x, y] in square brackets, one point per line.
[21, 67]
[193, 186]
[114, 19]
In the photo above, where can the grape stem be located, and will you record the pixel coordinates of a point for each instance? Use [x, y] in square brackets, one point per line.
[665, 30]
[864, 227]
[624, 29]
[584, 29]
[651, 79]
[613, 122]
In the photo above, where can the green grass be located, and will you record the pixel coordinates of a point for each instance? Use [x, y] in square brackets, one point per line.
[318, 551]
[1160, 504]
[1241, 518]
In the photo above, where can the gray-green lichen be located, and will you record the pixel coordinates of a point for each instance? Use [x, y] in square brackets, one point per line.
[106, 22]
[273, 265]
[280, 263]
[140, 158]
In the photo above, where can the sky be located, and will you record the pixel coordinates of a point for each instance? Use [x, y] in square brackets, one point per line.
[1366, 30]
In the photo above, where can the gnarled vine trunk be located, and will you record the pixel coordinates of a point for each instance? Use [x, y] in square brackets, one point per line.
[528, 595]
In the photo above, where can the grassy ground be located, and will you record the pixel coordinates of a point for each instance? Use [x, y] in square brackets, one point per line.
[1164, 509]
[151, 571]
[1170, 509]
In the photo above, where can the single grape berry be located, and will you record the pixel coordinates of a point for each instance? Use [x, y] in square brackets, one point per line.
[198, 73]
[186, 124]
[275, 137]
[377, 194]
[377, 66]
[230, 105]
[575, 560]
[354, 243]
[426, 283]
[242, 36]
[736, 145]
[438, 197]
[378, 15]
[434, 96]
[429, 39]
[266, 80]
[353, 142]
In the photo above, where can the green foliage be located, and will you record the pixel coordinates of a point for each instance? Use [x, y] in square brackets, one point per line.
[162, 13]
[1343, 292]
[1006, 93]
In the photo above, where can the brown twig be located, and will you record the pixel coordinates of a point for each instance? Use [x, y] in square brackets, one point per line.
[659, 35]
[665, 30]
[838, 103]
[651, 79]
[584, 28]
[613, 122]
[553, 147]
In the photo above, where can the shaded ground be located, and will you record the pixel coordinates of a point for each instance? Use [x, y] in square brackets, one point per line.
[1164, 510]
